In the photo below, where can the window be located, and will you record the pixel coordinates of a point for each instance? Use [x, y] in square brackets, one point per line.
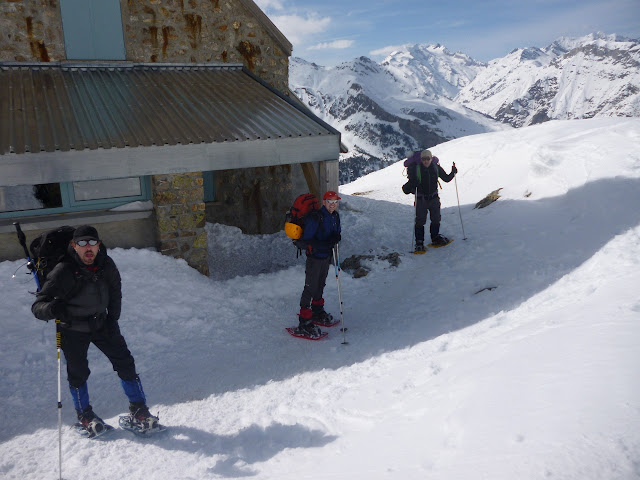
[92, 29]
[27, 200]
[106, 189]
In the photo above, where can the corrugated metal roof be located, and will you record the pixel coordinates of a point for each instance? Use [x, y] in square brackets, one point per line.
[49, 107]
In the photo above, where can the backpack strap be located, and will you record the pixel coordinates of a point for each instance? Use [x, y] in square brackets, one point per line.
[435, 166]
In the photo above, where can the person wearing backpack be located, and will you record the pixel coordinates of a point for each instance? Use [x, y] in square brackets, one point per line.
[423, 182]
[322, 232]
[84, 292]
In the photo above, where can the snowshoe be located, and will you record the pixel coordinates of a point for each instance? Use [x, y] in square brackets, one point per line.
[420, 249]
[440, 241]
[90, 425]
[308, 331]
[140, 421]
[92, 434]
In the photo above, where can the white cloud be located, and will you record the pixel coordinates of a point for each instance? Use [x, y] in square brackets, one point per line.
[384, 51]
[265, 4]
[297, 28]
[336, 44]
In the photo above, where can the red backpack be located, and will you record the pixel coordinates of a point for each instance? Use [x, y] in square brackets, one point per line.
[294, 219]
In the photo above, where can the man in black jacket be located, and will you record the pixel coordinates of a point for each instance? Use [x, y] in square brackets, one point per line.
[84, 293]
[424, 176]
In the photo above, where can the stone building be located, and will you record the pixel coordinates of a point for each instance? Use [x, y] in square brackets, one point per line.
[148, 118]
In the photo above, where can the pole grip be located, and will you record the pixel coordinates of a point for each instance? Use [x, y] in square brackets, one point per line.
[22, 239]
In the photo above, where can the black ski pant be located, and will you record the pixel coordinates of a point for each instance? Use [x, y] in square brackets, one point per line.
[315, 278]
[426, 205]
[110, 341]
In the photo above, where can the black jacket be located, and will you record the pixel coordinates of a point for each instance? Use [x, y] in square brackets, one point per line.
[92, 300]
[428, 183]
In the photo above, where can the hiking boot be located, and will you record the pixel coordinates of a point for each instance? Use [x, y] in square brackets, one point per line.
[440, 240]
[93, 424]
[420, 248]
[141, 418]
[308, 330]
[321, 316]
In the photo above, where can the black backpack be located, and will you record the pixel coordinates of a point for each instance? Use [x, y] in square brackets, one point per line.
[48, 249]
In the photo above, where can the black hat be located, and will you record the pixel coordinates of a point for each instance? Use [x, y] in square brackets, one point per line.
[85, 232]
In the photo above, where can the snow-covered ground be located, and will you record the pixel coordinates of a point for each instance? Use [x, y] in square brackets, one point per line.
[512, 354]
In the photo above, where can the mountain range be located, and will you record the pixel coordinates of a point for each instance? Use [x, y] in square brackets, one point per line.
[422, 95]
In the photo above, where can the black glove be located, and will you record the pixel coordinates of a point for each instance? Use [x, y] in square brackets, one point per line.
[334, 238]
[454, 170]
[406, 188]
[58, 308]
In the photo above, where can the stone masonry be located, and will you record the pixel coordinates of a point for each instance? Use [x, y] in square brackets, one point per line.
[31, 31]
[180, 216]
[256, 199]
[194, 31]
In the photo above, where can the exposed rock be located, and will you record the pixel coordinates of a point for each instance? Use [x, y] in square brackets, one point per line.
[354, 263]
[489, 199]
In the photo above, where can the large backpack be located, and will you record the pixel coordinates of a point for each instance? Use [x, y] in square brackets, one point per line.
[303, 206]
[295, 217]
[48, 249]
[415, 159]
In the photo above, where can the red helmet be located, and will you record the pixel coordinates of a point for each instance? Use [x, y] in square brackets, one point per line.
[331, 195]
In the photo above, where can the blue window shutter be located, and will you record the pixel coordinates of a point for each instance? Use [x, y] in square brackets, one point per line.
[209, 186]
[92, 29]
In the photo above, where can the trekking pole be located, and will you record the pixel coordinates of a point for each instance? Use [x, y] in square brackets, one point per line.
[464, 237]
[59, 347]
[31, 266]
[415, 215]
[336, 262]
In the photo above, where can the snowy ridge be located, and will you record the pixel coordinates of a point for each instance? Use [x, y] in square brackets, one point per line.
[592, 76]
[512, 354]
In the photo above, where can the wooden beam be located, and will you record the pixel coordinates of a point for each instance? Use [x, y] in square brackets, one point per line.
[311, 178]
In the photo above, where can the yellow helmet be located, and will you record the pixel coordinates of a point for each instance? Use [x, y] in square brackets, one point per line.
[292, 230]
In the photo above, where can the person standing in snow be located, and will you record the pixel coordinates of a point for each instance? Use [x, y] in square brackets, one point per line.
[84, 293]
[423, 182]
[322, 232]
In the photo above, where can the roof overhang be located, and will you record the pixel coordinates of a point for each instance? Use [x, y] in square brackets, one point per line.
[73, 122]
[33, 169]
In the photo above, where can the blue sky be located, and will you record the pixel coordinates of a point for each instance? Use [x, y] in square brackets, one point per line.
[332, 31]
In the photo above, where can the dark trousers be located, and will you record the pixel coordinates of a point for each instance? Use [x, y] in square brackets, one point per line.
[75, 346]
[432, 206]
[315, 278]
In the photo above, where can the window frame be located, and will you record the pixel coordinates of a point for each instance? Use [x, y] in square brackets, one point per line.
[71, 205]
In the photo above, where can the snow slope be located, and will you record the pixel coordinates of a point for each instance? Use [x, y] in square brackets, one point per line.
[511, 354]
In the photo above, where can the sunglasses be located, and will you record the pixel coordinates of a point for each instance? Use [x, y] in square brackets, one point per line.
[332, 202]
[84, 243]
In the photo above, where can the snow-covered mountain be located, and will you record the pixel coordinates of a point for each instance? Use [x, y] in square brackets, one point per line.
[593, 76]
[422, 95]
[386, 110]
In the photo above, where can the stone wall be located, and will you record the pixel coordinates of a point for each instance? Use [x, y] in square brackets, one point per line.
[178, 202]
[194, 31]
[255, 199]
[31, 30]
